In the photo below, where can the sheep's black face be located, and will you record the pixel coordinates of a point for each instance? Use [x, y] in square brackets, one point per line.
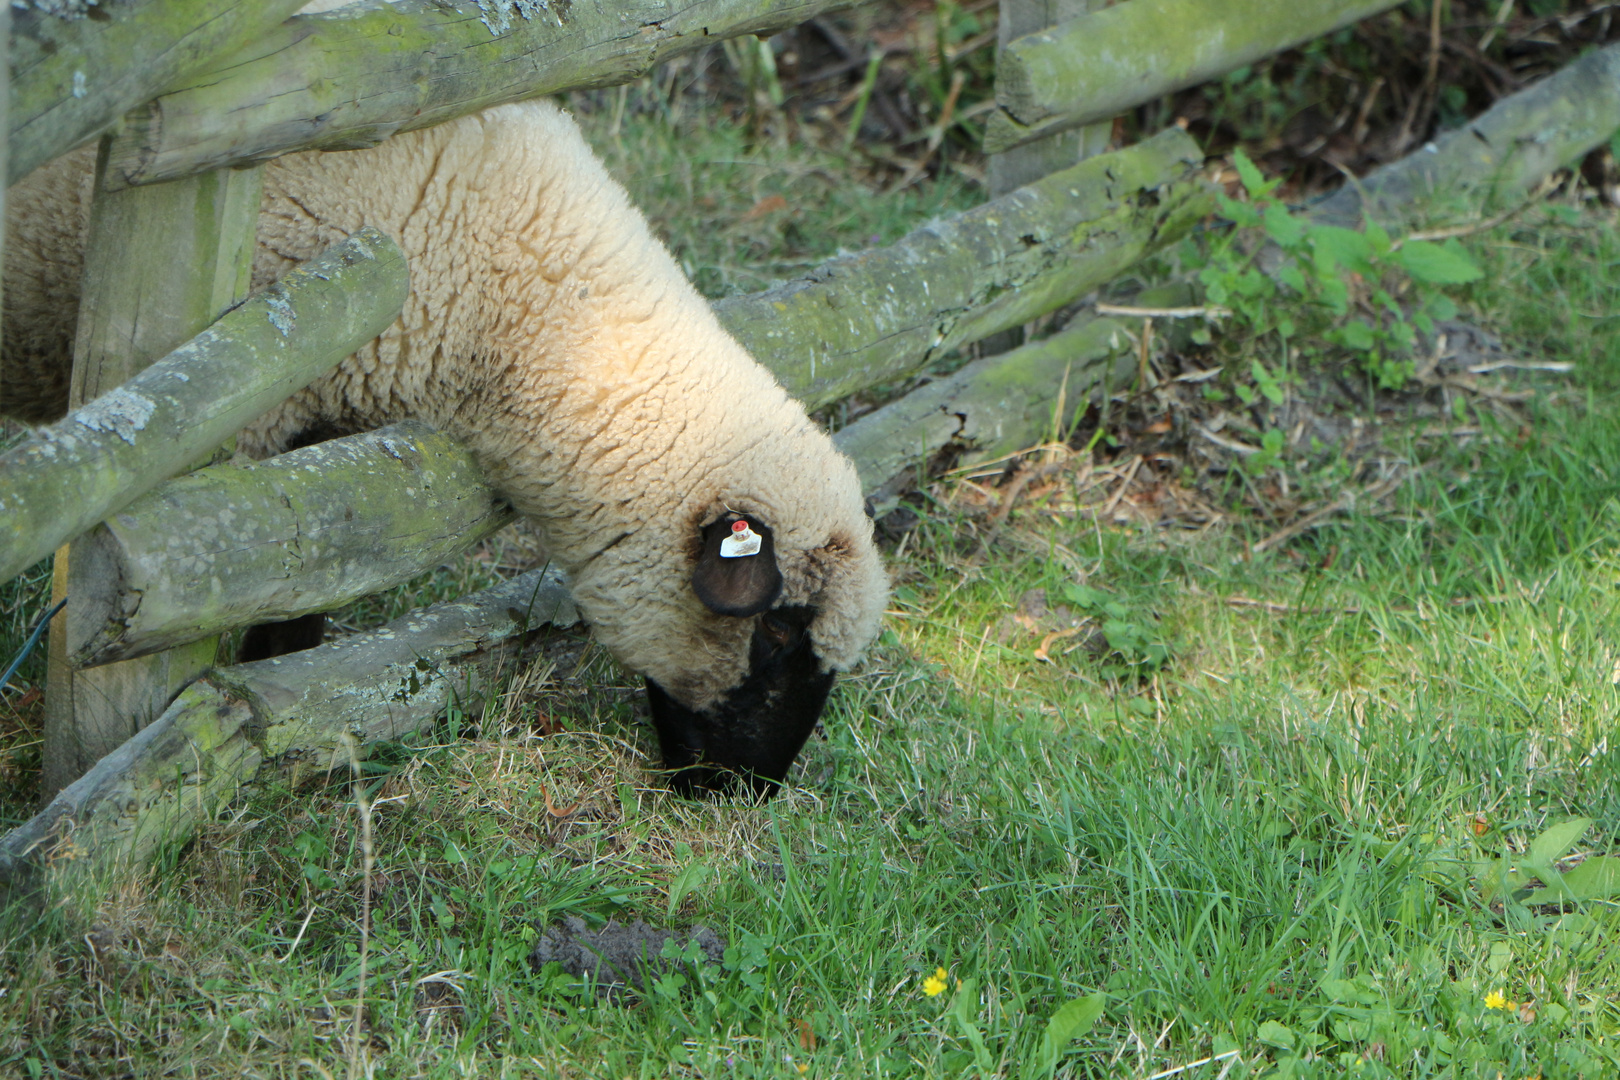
[752, 736]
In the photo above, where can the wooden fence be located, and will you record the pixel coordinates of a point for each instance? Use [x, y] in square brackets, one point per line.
[192, 95]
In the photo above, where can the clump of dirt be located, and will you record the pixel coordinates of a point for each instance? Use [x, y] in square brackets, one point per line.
[618, 957]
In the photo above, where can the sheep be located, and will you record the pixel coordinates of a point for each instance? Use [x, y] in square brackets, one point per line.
[548, 329]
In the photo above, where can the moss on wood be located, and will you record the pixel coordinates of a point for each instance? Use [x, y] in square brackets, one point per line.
[248, 542]
[352, 77]
[873, 317]
[1099, 65]
[73, 74]
[127, 441]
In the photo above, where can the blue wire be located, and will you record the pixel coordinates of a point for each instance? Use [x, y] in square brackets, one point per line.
[33, 639]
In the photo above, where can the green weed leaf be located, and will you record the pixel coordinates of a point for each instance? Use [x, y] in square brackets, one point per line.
[1598, 878]
[1337, 247]
[1267, 382]
[1070, 1021]
[1556, 842]
[1286, 229]
[1291, 275]
[1254, 182]
[688, 878]
[1438, 264]
[1240, 214]
[1085, 596]
[1274, 1034]
[1356, 335]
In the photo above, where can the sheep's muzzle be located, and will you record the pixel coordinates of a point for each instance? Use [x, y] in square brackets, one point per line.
[750, 738]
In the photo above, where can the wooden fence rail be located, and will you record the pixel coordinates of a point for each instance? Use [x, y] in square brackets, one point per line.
[1099, 65]
[72, 75]
[127, 441]
[861, 320]
[303, 711]
[243, 543]
[993, 406]
[353, 77]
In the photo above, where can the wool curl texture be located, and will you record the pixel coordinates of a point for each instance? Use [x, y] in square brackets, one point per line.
[548, 329]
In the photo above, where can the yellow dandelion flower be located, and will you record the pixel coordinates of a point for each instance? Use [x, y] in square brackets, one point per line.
[1497, 1000]
[935, 984]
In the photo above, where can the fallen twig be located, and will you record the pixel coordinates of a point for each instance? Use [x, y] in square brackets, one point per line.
[1227, 444]
[1124, 486]
[1207, 311]
[1521, 365]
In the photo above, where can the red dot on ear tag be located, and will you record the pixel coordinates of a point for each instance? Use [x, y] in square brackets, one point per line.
[739, 526]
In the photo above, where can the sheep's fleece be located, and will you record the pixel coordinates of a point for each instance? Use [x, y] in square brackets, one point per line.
[549, 329]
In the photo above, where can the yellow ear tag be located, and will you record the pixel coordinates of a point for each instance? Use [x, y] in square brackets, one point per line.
[742, 541]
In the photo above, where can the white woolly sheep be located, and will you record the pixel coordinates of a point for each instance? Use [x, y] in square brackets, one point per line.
[550, 330]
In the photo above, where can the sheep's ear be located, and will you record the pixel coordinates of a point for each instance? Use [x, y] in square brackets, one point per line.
[742, 585]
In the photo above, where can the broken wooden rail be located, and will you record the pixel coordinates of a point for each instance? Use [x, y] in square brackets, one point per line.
[174, 413]
[307, 712]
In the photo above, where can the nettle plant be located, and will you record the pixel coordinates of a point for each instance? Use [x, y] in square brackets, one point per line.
[1324, 291]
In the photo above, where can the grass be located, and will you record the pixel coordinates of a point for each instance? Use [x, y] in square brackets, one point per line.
[1265, 848]
[750, 211]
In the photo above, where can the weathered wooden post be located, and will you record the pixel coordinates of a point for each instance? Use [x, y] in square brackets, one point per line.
[1019, 166]
[160, 264]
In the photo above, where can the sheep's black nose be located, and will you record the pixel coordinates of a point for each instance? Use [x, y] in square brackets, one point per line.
[748, 741]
